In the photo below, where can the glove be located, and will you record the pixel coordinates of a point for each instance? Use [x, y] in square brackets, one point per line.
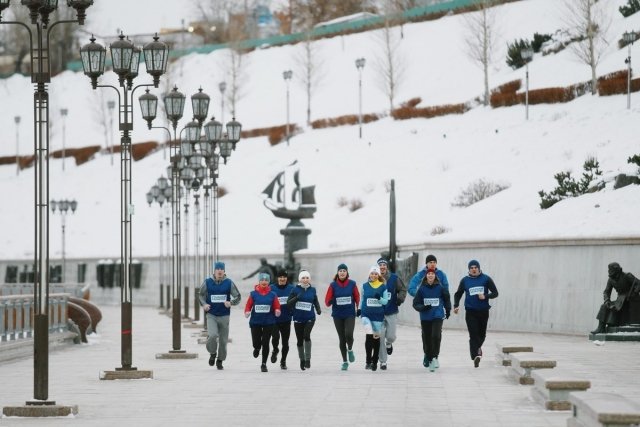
[358, 312]
[447, 314]
[426, 307]
[377, 295]
[386, 295]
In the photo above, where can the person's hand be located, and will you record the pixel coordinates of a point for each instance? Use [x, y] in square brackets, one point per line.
[426, 307]
[247, 314]
[482, 296]
[278, 313]
[377, 295]
[447, 314]
[206, 307]
[456, 310]
[227, 304]
[358, 312]
[386, 294]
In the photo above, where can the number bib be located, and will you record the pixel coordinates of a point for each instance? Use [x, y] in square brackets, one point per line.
[262, 308]
[283, 300]
[373, 302]
[304, 306]
[476, 290]
[218, 298]
[343, 300]
[433, 302]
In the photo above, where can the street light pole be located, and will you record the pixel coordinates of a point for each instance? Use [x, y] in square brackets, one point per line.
[287, 78]
[125, 59]
[63, 207]
[526, 54]
[111, 105]
[63, 114]
[223, 87]
[17, 121]
[360, 65]
[629, 38]
[41, 76]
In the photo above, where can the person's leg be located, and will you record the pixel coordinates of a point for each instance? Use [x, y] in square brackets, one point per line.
[382, 351]
[266, 334]
[349, 326]
[285, 330]
[223, 328]
[212, 335]
[474, 332]
[424, 325]
[436, 339]
[299, 330]
[483, 320]
[256, 340]
[275, 342]
[342, 341]
[368, 349]
[308, 326]
[376, 352]
[391, 323]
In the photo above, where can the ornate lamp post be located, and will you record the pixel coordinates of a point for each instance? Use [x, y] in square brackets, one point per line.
[63, 207]
[125, 58]
[39, 32]
[526, 54]
[287, 79]
[17, 121]
[629, 38]
[360, 65]
[110, 105]
[63, 114]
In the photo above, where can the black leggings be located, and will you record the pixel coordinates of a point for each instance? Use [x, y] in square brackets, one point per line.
[281, 330]
[303, 331]
[372, 349]
[477, 326]
[431, 338]
[345, 327]
[260, 337]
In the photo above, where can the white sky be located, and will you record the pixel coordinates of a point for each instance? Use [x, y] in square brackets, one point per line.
[430, 169]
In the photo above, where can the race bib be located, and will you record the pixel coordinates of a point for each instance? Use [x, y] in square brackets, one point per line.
[262, 308]
[218, 298]
[476, 290]
[283, 300]
[433, 302]
[343, 300]
[304, 306]
[373, 302]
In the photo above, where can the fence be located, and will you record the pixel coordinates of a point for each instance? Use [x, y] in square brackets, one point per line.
[17, 311]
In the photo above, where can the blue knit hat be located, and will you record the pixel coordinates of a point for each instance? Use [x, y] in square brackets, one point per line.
[219, 265]
[264, 276]
[382, 260]
[343, 267]
[472, 263]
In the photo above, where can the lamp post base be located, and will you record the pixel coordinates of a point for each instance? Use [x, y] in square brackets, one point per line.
[40, 408]
[177, 354]
[126, 374]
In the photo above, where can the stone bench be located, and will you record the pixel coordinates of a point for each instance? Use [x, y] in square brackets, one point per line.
[602, 409]
[522, 364]
[552, 388]
[503, 357]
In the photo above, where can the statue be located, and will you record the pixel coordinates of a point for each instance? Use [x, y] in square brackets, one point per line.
[264, 267]
[618, 312]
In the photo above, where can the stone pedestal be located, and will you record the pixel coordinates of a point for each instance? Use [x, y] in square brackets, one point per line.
[40, 408]
[618, 333]
[177, 354]
[295, 237]
[126, 374]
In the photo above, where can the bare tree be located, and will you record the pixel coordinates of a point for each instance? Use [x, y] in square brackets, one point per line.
[481, 38]
[234, 70]
[309, 67]
[389, 63]
[589, 21]
[100, 113]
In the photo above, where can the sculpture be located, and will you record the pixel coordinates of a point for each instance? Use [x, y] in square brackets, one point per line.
[619, 311]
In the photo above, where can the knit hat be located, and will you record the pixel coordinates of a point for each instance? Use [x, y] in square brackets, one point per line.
[382, 260]
[431, 270]
[264, 276]
[219, 265]
[282, 273]
[303, 274]
[473, 263]
[431, 258]
[343, 267]
[374, 269]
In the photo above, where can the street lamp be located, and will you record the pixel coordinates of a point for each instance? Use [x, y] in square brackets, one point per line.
[39, 36]
[111, 104]
[17, 121]
[222, 86]
[63, 114]
[360, 65]
[157, 194]
[629, 38]
[63, 207]
[287, 79]
[526, 54]
[125, 58]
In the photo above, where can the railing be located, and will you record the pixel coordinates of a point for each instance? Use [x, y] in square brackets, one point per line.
[16, 315]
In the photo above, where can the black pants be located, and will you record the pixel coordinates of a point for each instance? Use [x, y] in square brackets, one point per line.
[477, 326]
[345, 327]
[372, 349]
[260, 336]
[431, 337]
[303, 331]
[281, 330]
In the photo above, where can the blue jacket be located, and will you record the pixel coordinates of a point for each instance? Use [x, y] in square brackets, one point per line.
[417, 278]
[437, 297]
[472, 287]
[302, 302]
[373, 301]
[342, 304]
[283, 294]
[391, 284]
[262, 312]
[217, 294]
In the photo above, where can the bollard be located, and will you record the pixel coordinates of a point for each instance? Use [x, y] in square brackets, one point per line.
[186, 302]
[11, 320]
[161, 296]
[196, 306]
[168, 297]
[28, 328]
[3, 326]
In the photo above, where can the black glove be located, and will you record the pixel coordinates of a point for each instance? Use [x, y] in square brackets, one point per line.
[447, 314]
[426, 307]
[377, 295]
[358, 312]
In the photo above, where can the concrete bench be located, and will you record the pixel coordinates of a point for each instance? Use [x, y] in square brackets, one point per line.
[602, 409]
[552, 388]
[522, 364]
[503, 356]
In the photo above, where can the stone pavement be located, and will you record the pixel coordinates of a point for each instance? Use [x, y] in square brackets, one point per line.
[189, 392]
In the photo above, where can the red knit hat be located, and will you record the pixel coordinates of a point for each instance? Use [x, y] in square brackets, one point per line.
[431, 270]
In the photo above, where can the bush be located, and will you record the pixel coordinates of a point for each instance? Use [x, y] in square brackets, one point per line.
[355, 204]
[413, 102]
[539, 40]
[632, 7]
[404, 113]
[439, 229]
[140, 150]
[509, 87]
[275, 134]
[568, 187]
[634, 160]
[514, 56]
[476, 191]
[349, 119]
[551, 95]
[342, 202]
[222, 191]
[505, 99]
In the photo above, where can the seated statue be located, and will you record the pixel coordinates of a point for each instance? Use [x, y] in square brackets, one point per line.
[617, 312]
[264, 267]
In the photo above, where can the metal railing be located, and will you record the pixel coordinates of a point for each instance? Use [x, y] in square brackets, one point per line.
[16, 315]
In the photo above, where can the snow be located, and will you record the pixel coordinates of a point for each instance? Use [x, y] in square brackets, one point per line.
[431, 160]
